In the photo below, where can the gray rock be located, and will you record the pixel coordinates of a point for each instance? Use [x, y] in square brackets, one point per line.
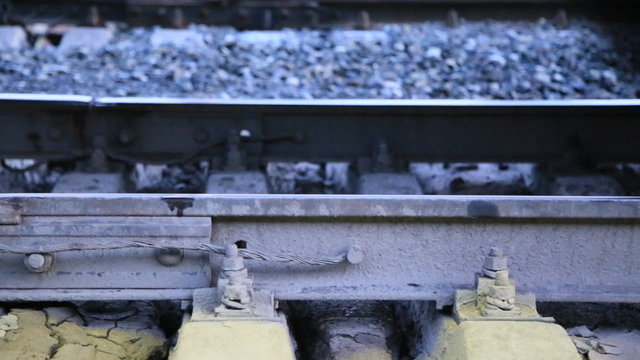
[433, 53]
[475, 179]
[542, 78]
[351, 37]
[348, 330]
[559, 78]
[337, 176]
[586, 185]
[272, 38]
[176, 37]
[389, 184]
[302, 177]
[237, 183]
[58, 315]
[609, 78]
[581, 331]
[12, 38]
[85, 37]
[497, 59]
[76, 182]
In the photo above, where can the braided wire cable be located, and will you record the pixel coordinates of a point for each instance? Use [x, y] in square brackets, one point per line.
[54, 247]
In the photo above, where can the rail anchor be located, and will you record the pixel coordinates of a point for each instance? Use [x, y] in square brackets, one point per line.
[234, 320]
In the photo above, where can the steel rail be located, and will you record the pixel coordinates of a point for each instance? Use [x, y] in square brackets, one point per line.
[178, 130]
[250, 14]
[415, 247]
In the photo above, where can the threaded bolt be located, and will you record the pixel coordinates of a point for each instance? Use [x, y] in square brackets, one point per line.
[496, 251]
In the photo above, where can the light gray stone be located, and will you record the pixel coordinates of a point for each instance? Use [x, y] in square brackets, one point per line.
[58, 315]
[353, 338]
[350, 37]
[474, 178]
[389, 184]
[434, 52]
[148, 175]
[268, 37]
[12, 37]
[623, 342]
[348, 330]
[586, 185]
[176, 37]
[337, 175]
[85, 37]
[89, 183]
[581, 331]
[252, 182]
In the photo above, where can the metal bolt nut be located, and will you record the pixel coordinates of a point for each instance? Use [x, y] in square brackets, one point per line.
[234, 288]
[496, 263]
[496, 251]
[502, 278]
[232, 264]
[355, 255]
[232, 261]
[38, 263]
[495, 260]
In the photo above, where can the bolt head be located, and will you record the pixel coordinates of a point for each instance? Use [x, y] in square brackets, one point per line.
[35, 261]
[38, 262]
[355, 255]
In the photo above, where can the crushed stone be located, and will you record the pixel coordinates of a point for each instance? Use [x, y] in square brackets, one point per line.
[476, 60]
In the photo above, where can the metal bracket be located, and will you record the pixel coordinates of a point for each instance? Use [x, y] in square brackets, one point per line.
[495, 296]
[235, 296]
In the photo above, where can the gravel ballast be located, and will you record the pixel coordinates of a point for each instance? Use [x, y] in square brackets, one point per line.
[477, 60]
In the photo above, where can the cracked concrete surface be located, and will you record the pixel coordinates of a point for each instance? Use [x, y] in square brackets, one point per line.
[60, 333]
[353, 339]
[349, 330]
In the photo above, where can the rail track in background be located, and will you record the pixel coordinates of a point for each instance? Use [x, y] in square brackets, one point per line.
[270, 14]
[165, 130]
